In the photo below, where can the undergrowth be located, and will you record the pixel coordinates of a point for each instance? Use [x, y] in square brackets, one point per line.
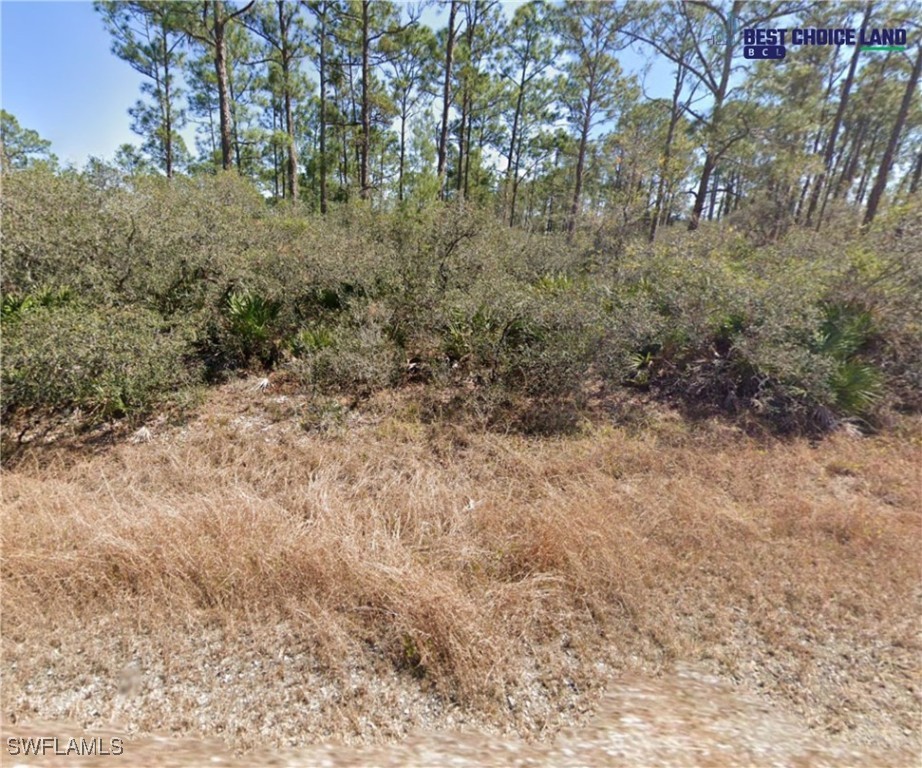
[802, 333]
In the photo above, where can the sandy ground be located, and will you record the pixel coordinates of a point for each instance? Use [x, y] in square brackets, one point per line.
[682, 719]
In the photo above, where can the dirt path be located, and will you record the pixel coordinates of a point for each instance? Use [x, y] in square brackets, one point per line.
[683, 719]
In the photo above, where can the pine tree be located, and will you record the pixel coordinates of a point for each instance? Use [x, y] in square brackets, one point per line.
[590, 34]
[528, 55]
[209, 27]
[147, 35]
[280, 26]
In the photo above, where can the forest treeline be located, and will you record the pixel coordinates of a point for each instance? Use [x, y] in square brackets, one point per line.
[534, 113]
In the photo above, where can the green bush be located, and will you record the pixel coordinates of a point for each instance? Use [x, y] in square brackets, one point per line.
[107, 363]
[800, 329]
[252, 321]
[15, 305]
[707, 322]
[355, 356]
[311, 340]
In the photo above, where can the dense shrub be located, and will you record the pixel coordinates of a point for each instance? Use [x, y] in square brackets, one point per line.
[355, 355]
[107, 363]
[252, 327]
[792, 331]
[802, 331]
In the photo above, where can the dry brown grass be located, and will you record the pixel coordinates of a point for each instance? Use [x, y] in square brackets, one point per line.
[472, 565]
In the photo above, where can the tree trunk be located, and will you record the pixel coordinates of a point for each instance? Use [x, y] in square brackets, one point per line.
[323, 108]
[446, 97]
[464, 134]
[866, 171]
[515, 123]
[701, 194]
[462, 131]
[580, 165]
[286, 55]
[710, 156]
[515, 182]
[883, 173]
[356, 120]
[365, 187]
[674, 116]
[803, 198]
[836, 125]
[550, 203]
[728, 198]
[710, 163]
[713, 201]
[403, 145]
[344, 166]
[235, 134]
[851, 163]
[818, 138]
[167, 106]
[275, 150]
[840, 156]
[224, 108]
[916, 175]
[467, 157]
[292, 149]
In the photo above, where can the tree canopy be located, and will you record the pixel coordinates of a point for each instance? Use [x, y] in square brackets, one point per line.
[555, 115]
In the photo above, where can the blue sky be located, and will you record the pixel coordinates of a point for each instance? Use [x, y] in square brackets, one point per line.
[58, 76]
